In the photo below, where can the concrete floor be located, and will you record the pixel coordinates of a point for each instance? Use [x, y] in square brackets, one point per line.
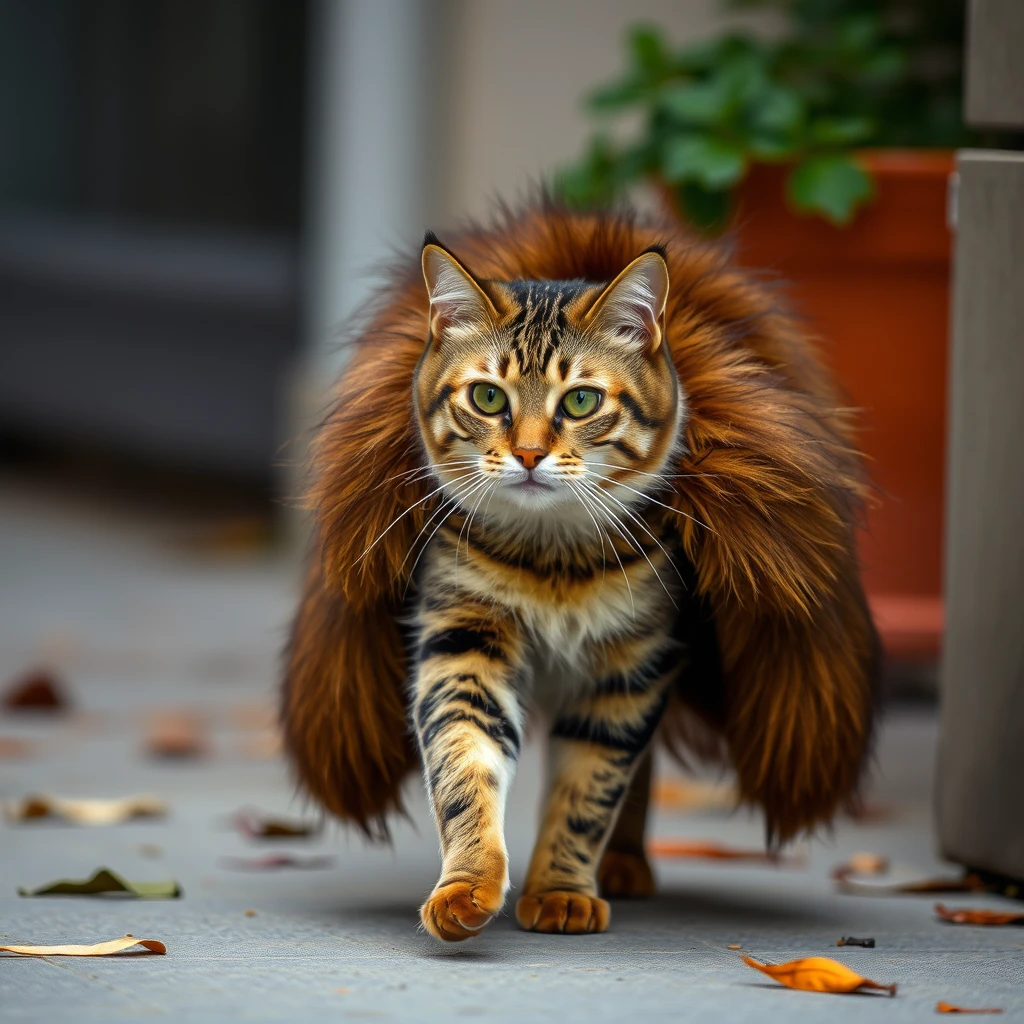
[134, 624]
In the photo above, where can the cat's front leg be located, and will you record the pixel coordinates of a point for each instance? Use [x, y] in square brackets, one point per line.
[596, 745]
[469, 723]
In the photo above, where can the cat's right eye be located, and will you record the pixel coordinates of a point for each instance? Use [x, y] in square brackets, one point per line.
[488, 399]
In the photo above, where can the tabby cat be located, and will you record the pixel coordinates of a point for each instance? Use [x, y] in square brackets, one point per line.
[619, 485]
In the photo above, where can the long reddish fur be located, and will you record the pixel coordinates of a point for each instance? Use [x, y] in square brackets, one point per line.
[776, 482]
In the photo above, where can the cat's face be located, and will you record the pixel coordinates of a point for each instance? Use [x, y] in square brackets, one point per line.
[544, 397]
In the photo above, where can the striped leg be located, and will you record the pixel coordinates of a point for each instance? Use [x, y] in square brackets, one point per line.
[469, 724]
[625, 871]
[596, 746]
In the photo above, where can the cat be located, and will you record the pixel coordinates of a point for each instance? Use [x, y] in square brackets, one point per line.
[582, 471]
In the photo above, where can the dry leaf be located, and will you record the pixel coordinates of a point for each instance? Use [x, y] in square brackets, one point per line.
[176, 734]
[849, 940]
[950, 1008]
[275, 861]
[38, 690]
[858, 887]
[985, 917]
[99, 949]
[252, 823]
[734, 946]
[817, 974]
[86, 812]
[713, 851]
[105, 881]
[250, 913]
[687, 795]
[861, 864]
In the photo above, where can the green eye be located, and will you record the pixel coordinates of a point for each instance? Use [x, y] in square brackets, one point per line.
[581, 402]
[489, 399]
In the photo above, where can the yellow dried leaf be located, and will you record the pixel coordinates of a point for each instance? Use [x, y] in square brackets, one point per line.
[86, 812]
[99, 949]
[950, 1008]
[817, 974]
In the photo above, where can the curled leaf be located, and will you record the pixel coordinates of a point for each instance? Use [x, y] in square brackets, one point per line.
[845, 882]
[984, 917]
[85, 812]
[861, 864]
[38, 690]
[104, 882]
[99, 949]
[950, 1008]
[255, 825]
[817, 974]
[176, 735]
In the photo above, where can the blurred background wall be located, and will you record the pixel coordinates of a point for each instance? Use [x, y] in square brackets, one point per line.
[193, 194]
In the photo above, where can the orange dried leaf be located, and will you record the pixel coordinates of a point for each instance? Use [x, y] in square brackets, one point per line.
[950, 1008]
[711, 851]
[817, 974]
[99, 949]
[861, 864]
[984, 917]
[687, 795]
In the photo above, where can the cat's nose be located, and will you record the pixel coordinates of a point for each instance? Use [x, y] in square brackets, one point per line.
[529, 457]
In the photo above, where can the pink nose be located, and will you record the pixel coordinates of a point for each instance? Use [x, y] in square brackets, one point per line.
[529, 457]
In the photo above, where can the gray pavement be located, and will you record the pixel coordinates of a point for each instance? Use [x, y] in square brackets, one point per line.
[136, 625]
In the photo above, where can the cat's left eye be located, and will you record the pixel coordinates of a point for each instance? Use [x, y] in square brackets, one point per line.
[581, 402]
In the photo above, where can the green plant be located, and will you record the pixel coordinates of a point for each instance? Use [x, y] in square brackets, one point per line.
[844, 74]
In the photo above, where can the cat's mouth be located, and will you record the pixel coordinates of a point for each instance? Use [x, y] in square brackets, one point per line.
[531, 483]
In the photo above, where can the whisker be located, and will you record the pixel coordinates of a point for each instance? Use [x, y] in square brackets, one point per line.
[657, 476]
[618, 483]
[604, 515]
[643, 526]
[451, 504]
[405, 513]
[597, 495]
[433, 468]
[468, 523]
[597, 526]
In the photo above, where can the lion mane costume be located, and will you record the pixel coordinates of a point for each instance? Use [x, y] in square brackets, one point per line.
[769, 465]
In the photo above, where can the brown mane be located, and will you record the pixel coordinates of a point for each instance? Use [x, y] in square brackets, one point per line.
[775, 481]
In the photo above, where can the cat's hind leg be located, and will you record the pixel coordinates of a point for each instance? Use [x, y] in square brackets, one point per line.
[624, 871]
[469, 723]
[596, 746]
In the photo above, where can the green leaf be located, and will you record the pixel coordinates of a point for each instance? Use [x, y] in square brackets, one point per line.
[647, 50]
[831, 184]
[712, 163]
[698, 103]
[778, 110]
[617, 96]
[708, 211]
[841, 131]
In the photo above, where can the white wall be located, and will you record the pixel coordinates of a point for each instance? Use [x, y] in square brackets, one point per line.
[518, 70]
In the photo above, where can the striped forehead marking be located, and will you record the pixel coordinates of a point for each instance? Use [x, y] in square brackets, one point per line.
[535, 330]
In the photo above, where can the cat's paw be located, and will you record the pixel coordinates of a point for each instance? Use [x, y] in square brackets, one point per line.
[568, 912]
[624, 875]
[460, 910]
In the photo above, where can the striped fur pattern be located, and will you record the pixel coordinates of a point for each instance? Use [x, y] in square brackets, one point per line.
[600, 482]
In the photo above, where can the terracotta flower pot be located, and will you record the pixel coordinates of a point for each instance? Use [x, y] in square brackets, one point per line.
[877, 294]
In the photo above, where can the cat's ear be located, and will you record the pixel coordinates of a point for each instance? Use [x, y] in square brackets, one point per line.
[457, 302]
[632, 307]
